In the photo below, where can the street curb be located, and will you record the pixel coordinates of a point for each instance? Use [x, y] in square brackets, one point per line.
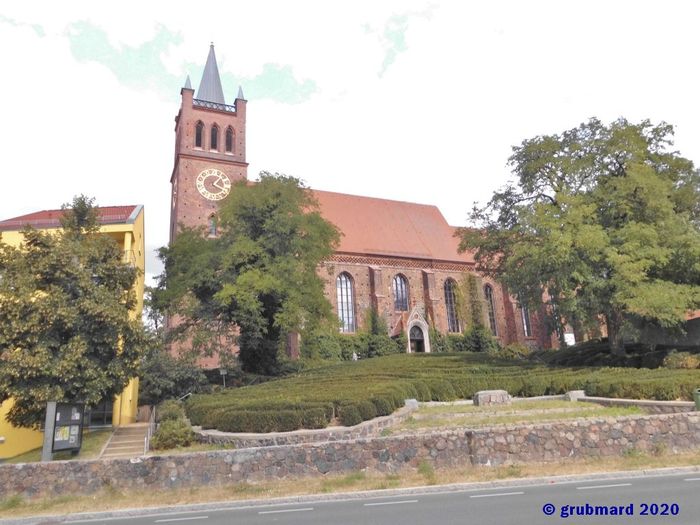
[350, 496]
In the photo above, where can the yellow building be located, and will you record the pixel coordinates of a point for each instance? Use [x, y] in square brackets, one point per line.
[125, 224]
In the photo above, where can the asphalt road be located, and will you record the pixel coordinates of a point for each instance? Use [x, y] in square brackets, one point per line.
[673, 499]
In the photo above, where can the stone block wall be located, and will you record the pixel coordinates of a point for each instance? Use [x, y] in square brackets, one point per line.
[487, 446]
[366, 429]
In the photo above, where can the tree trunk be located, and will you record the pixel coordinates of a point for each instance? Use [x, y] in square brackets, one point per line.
[614, 324]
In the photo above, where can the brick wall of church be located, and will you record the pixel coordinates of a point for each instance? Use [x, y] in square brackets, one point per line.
[372, 286]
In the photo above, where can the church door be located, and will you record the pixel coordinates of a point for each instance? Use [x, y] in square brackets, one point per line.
[417, 339]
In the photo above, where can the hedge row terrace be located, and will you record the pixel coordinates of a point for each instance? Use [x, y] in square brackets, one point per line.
[349, 393]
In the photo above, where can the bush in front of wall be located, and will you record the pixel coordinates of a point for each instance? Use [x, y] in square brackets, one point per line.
[172, 433]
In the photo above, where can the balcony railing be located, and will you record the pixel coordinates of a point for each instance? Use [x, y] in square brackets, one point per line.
[213, 105]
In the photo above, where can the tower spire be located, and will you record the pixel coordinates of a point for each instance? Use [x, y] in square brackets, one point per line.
[210, 85]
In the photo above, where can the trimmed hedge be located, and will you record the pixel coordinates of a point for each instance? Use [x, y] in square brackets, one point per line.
[348, 393]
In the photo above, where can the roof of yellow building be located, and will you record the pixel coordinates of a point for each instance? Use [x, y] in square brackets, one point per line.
[52, 218]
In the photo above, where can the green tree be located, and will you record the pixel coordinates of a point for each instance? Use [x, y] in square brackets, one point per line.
[604, 220]
[256, 281]
[66, 333]
[163, 376]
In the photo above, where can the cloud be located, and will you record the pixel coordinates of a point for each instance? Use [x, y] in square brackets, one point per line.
[138, 67]
[393, 35]
[276, 82]
[39, 30]
[143, 67]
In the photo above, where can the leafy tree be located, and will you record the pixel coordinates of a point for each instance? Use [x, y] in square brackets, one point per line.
[256, 281]
[163, 376]
[66, 332]
[604, 221]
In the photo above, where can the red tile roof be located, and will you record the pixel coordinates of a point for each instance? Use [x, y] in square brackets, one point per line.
[374, 226]
[52, 218]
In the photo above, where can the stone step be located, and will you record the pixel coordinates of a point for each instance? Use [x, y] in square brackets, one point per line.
[126, 442]
[123, 447]
[133, 453]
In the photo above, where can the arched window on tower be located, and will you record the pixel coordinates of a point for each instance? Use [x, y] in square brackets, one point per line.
[199, 135]
[213, 226]
[451, 306]
[488, 293]
[214, 142]
[346, 302]
[399, 286]
[229, 140]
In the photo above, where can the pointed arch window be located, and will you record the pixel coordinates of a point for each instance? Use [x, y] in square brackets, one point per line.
[213, 226]
[346, 302]
[199, 134]
[451, 306]
[488, 294]
[399, 287]
[214, 142]
[229, 140]
[525, 316]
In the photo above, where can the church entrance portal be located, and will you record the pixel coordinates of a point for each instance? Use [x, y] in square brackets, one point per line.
[417, 339]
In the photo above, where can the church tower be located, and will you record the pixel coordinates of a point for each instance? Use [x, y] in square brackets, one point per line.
[209, 151]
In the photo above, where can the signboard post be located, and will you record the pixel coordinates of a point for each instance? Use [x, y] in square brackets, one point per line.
[46, 454]
[63, 428]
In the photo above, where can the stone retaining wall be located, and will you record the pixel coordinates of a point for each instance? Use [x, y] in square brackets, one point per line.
[486, 446]
[366, 429]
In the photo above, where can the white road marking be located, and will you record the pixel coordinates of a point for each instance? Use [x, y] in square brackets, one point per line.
[182, 519]
[305, 509]
[499, 494]
[390, 502]
[692, 479]
[604, 486]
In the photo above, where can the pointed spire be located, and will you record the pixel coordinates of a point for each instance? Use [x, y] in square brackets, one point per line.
[188, 84]
[210, 86]
[240, 93]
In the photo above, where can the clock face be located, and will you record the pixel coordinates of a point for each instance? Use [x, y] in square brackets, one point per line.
[213, 184]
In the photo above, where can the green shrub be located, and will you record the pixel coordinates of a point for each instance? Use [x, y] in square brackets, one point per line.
[260, 422]
[350, 415]
[170, 409]
[323, 345]
[681, 360]
[442, 391]
[479, 339]
[314, 418]
[515, 351]
[422, 391]
[172, 433]
[367, 410]
[382, 406]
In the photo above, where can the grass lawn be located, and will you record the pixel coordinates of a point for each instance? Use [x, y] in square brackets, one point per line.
[519, 412]
[93, 441]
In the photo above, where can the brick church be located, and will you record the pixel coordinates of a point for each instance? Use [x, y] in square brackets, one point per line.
[398, 257]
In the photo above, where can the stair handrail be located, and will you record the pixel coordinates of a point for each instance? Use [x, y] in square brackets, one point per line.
[150, 431]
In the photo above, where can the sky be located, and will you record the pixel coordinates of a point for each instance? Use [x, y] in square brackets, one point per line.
[419, 101]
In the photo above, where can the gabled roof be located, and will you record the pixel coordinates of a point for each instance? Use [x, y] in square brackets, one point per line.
[210, 85]
[384, 227]
[52, 218]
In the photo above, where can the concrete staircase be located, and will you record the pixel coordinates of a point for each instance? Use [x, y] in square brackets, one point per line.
[126, 442]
